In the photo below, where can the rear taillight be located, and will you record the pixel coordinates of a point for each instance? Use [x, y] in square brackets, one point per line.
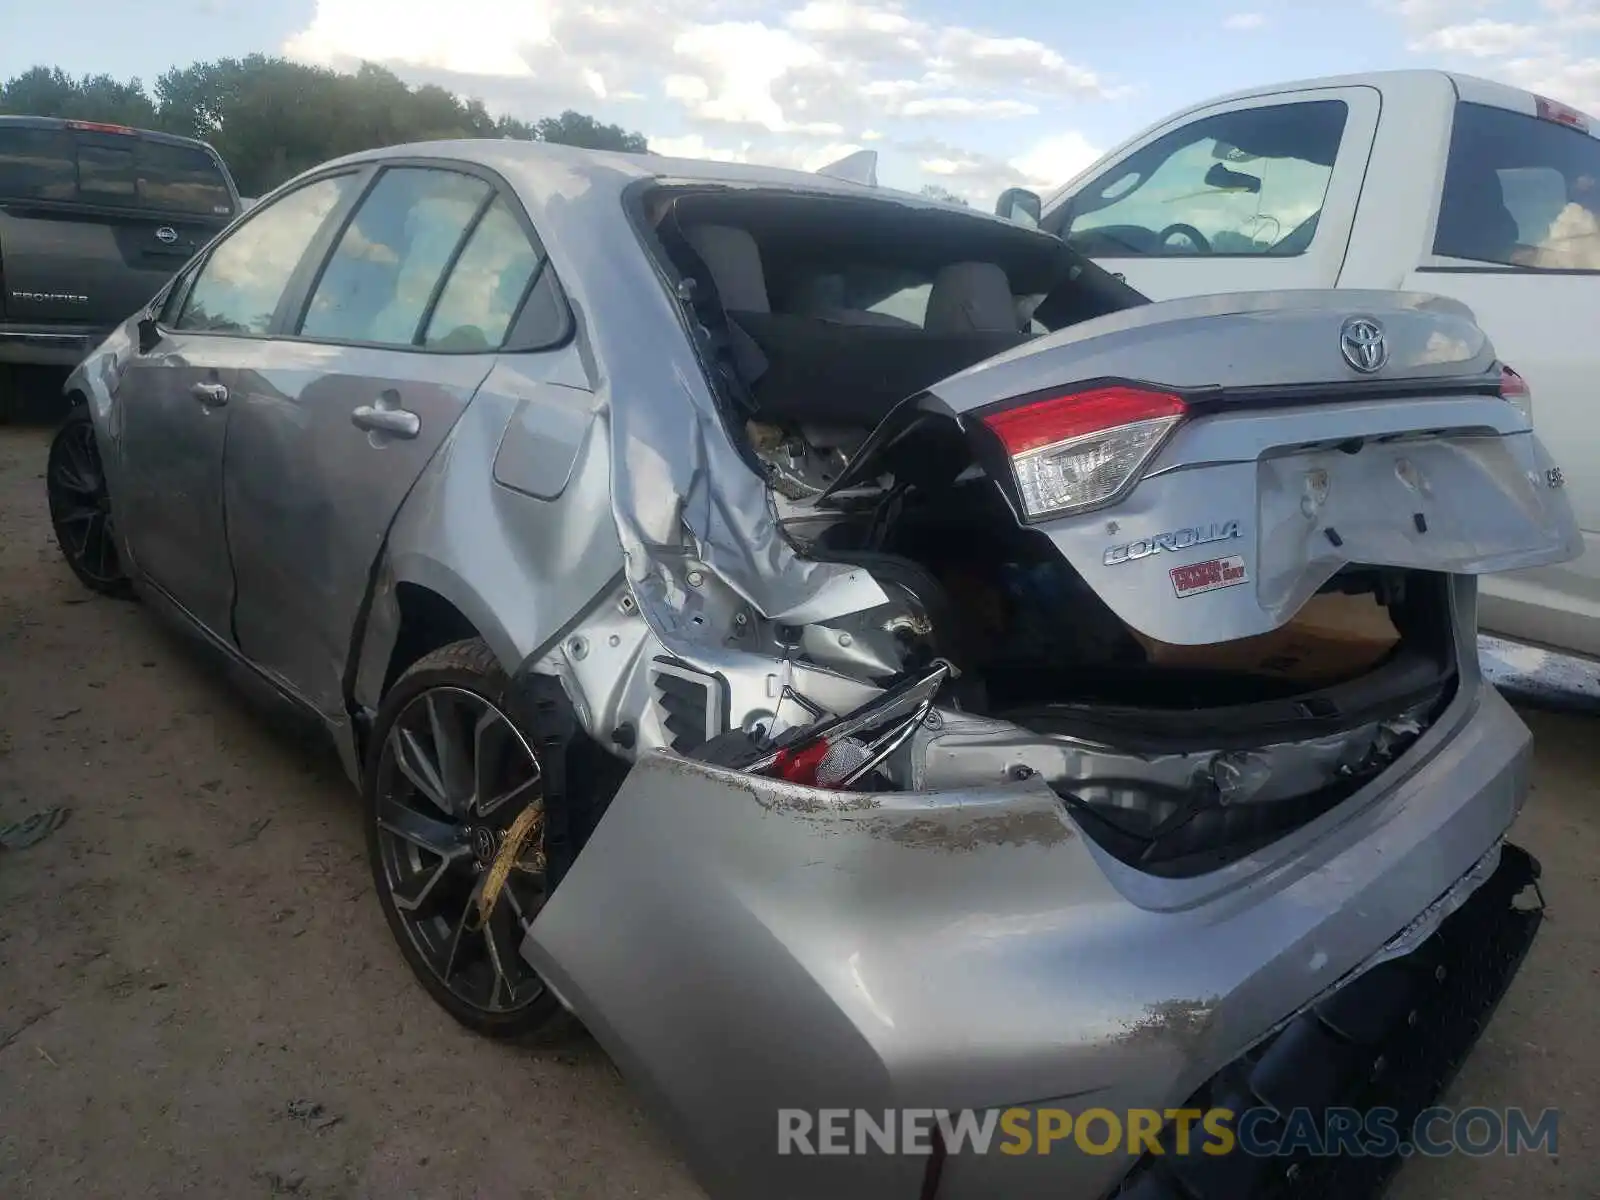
[1081, 449]
[1514, 388]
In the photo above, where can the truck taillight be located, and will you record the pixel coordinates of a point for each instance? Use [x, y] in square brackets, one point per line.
[1549, 110]
[1081, 449]
[1514, 388]
[100, 127]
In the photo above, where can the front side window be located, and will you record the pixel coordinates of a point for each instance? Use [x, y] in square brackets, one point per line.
[383, 273]
[1247, 182]
[1519, 191]
[243, 279]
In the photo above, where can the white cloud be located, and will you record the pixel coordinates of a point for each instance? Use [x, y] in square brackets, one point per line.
[1043, 167]
[1544, 46]
[1055, 159]
[780, 81]
[1480, 39]
[692, 145]
[1245, 20]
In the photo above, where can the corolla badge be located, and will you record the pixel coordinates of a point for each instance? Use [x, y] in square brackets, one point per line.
[1176, 539]
[1363, 345]
[166, 235]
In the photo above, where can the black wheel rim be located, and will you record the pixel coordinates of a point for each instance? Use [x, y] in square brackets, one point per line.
[454, 777]
[80, 504]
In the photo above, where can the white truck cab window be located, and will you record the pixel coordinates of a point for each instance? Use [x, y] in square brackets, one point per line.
[1246, 182]
[1520, 192]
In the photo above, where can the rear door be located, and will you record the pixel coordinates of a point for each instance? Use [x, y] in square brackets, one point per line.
[94, 219]
[1246, 194]
[335, 418]
[176, 398]
[1518, 241]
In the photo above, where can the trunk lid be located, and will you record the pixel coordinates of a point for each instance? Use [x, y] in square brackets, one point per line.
[1290, 461]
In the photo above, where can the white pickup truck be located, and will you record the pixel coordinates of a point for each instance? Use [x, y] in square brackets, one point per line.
[1416, 180]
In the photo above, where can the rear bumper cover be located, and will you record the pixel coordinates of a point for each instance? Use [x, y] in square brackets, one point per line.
[740, 946]
[1391, 1038]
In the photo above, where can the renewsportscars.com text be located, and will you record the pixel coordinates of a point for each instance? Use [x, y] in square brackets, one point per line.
[1260, 1132]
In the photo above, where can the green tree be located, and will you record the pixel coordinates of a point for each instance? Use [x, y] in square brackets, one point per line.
[935, 191]
[271, 118]
[576, 129]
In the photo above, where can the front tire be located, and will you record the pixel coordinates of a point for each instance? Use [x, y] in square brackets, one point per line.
[454, 811]
[80, 507]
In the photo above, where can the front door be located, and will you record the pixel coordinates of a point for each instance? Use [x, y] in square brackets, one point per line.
[1248, 195]
[335, 420]
[177, 400]
[175, 425]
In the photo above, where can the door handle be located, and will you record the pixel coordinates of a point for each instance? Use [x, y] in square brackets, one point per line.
[397, 422]
[212, 395]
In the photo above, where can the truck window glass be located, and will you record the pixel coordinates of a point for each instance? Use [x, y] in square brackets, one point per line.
[1247, 182]
[112, 170]
[37, 164]
[1521, 192]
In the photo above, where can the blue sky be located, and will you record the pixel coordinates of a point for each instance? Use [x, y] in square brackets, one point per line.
[973, 96]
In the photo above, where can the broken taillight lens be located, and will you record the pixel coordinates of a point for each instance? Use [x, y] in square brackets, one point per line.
[1514, 388]
[1082, 449]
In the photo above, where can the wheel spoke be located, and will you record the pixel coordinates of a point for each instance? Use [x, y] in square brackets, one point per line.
[456, 935]
[453, 758]
[102, 535]
[415, 764]
[487, 795]
[436, 837]
[91, 532]
[70, 478]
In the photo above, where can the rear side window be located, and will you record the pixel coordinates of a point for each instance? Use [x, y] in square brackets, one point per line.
[486, 285]
[244, 277]
[1520, 191]
[380, 279]
[116, 170]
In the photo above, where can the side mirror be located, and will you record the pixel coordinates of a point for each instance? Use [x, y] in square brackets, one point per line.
[1019, 205]
[149, 333]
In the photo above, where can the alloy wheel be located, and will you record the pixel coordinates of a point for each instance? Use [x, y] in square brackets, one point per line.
[460, 846]
[80, 505]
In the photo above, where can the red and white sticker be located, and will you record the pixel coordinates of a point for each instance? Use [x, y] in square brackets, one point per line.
[1194, 578]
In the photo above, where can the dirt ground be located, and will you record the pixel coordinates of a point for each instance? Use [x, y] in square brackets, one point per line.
[194, 962]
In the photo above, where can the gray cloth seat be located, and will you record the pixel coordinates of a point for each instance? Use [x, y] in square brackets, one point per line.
[971, 297]
[734, 260]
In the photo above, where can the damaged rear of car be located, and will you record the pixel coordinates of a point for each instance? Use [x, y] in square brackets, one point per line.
[1091, 692]
[852, 651]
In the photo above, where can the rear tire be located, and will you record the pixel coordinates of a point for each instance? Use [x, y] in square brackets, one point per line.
[80, 507]
[450, 780]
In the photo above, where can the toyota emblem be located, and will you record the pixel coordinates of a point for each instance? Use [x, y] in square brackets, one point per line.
[166, 235]
[1363, 345]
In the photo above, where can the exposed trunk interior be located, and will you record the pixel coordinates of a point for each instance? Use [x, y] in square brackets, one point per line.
[822, 315]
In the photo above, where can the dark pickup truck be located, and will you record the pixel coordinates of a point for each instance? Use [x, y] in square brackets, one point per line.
[94, 218]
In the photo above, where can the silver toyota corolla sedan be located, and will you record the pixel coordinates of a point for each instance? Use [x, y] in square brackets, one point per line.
[852, 651]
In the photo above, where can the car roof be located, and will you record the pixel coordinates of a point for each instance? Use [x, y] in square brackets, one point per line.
[544, 168]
